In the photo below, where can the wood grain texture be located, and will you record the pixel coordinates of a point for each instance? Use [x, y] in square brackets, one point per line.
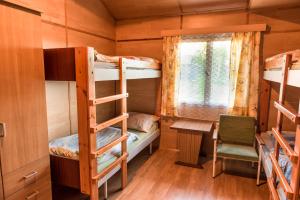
[52, 10]
[189, 143]
[57, 100]
[65, 171]
[280, 20]
[79, 39]
[254, 4]
[160, 178]
[143, 95]
[192, 125]
[291, 102]
[22, 101]
[90, 16]
[145, 28]
[41, 190]
[59, 64]
[127, 9]
[214, 19]
[15, 181]
[148, 48]
[53, 36]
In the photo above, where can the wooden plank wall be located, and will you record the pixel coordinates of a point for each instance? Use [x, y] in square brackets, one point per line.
[70, 23]
[141, 37]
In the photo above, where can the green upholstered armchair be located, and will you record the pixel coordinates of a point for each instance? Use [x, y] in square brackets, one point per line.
[235, 139]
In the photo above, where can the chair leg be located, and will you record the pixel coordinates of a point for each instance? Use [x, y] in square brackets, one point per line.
[259, 167]
[150, 148]
[223, 164]
[214, 159]
[105, 190]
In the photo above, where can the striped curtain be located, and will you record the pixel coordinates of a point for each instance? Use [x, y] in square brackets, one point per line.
[244, 73]
[170, 71]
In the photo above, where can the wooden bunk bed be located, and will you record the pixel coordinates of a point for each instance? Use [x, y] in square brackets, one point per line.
[280, 150]
[80, 64]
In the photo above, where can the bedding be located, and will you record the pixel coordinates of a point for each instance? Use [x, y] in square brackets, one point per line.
[283, 160]
[68, 146]
[114, 61]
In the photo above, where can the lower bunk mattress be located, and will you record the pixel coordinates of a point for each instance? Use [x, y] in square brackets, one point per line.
[284, 162]
[68, 146]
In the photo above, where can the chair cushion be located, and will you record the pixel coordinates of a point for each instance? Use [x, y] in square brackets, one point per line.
[235, 151]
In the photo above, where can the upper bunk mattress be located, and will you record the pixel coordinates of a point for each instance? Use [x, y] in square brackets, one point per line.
[103, 61]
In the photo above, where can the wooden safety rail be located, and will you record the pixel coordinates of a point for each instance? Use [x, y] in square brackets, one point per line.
[284, 62]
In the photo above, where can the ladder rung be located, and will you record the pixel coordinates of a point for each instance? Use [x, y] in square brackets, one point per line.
[109, 146]
[285, 145]
[273, 189]
[110, 167]
[286, 186]
[107, 99]
[108, 123]
[292, 116]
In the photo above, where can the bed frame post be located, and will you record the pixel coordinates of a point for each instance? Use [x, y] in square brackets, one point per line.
[123, 90]
[264, 105]
[84, 58]
[295, 178]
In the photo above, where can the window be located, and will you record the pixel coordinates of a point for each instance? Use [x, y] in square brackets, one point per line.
[204, 72]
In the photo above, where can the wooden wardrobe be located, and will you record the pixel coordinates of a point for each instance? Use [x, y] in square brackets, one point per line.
[24, 142]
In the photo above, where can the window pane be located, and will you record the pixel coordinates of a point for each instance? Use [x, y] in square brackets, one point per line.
[192, 73]
[219, 91]
[204, 72]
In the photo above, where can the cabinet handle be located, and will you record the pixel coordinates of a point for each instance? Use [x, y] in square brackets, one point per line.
[30, 175]
[32, 195]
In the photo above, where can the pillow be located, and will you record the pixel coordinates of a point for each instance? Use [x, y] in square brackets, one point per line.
[141, 121]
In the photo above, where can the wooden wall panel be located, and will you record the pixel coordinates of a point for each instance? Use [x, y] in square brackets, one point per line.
[108, 110]
[168, 137]
[292, 103]
[76, 39]
[149, 48]
[90, 16]
[52, 10]
[276, 43]
[57, 109]
[142, 95]
[53, 36]
[145, 28]
[211, 20]
[279, 20]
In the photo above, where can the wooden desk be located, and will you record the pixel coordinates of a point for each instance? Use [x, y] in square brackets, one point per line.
[189, 138]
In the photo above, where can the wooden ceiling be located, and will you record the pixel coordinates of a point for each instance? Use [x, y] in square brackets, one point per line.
[129, 9]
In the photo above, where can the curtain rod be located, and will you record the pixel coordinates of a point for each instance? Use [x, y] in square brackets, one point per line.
[216, 29]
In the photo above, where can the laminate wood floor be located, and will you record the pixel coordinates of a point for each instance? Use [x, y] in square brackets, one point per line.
[157, 177]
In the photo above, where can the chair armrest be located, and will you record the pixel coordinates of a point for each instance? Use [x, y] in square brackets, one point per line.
[215, 134]
[259, 139]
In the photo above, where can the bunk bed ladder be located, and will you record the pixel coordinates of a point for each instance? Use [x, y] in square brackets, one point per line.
[291, 189]
[88, 127]
[94, 128]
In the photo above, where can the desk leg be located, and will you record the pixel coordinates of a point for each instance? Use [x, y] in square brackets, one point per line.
[189, 145]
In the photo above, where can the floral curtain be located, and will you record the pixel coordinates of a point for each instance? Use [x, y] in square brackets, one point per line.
[244, 73]
[170, 71]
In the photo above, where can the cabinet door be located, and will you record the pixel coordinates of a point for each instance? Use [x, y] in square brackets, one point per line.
[22, 88]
